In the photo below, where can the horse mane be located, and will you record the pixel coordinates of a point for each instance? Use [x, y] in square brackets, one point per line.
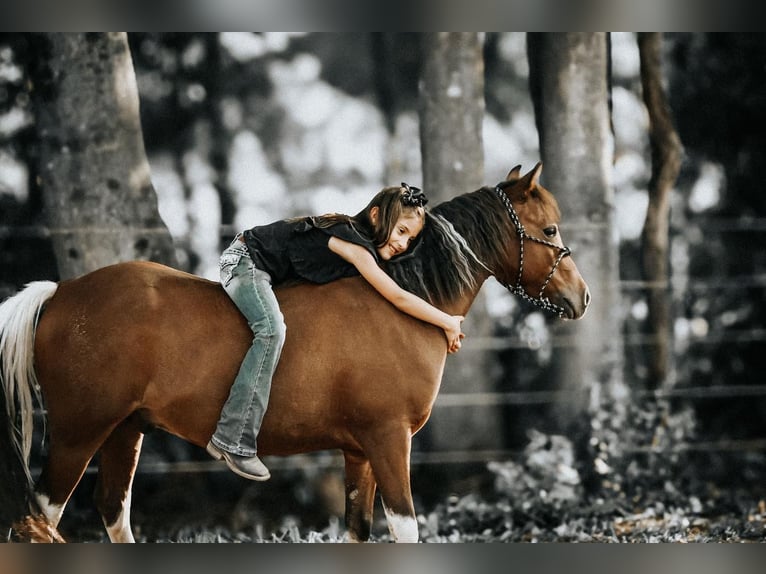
[442, 266]
[482, 220]
[461, 238]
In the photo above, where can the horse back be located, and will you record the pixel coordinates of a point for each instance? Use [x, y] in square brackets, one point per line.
[143, 338]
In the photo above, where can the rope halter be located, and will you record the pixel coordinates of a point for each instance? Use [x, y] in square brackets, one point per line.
[563, 251]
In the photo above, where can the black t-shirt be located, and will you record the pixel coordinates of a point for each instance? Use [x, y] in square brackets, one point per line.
[296, 249]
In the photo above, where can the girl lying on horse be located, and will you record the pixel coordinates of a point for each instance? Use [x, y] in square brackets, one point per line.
[316, 249]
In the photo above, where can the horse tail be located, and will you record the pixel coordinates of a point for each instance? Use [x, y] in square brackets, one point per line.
[18, 320]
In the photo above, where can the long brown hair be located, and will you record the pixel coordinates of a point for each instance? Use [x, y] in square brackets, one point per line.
[390, 208]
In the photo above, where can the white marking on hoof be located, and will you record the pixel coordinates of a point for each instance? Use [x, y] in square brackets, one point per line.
[402, 528]
[52, 512]
[120, 530]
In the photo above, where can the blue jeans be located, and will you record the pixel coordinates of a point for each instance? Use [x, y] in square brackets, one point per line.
[250, 289]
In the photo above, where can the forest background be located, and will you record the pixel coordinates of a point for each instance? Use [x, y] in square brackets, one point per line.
[242, 129]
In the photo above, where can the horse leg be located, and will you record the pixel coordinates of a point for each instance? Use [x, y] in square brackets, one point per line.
[116, 469]
[61, 473]
[390, 460]
[360, 496]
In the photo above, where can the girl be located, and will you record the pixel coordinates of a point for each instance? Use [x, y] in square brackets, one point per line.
[320, 250]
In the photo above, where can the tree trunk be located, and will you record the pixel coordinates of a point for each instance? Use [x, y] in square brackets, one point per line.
[100, 204]
[570, 89]
[666, 164]
[451, 114]
[451, 117]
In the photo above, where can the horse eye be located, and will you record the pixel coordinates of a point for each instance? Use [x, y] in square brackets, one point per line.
[550, 231]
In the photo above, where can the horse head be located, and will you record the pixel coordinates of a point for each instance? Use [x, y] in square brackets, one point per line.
[539, 267]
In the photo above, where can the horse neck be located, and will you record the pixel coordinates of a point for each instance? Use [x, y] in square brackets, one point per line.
[462, 305]
[481, 220]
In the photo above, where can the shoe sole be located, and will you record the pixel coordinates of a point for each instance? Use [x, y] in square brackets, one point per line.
[219, 455]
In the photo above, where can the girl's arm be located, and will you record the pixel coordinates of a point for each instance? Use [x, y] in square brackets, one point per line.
[403, 300]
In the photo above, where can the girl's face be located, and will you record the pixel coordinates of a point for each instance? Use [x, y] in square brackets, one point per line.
[406, 229]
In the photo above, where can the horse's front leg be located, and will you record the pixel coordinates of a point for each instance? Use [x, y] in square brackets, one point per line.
[389, 456]
[360, 496]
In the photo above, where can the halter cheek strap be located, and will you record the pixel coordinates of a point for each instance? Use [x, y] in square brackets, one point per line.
[540, 301]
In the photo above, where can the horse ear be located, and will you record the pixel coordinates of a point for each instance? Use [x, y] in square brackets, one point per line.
[514, 175]
[531, 180]
[534, 175]
[524, 185]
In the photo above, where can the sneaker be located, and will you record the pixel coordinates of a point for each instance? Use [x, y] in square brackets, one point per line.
[246, 466]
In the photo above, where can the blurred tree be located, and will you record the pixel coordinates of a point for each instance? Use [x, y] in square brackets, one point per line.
[666, 163]
[100, 204]
[569, 82]
[452, 111]
[24, 257]
[397, 58]
[717, 94]
[451, 116]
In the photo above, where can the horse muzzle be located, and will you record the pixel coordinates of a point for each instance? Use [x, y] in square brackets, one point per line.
[576, 304]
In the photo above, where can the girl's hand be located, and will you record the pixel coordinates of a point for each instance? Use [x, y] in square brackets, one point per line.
[453, 334]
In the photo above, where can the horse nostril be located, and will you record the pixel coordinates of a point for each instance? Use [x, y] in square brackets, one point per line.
[587, 297]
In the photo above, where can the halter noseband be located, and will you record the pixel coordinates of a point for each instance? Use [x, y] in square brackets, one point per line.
[540, 301]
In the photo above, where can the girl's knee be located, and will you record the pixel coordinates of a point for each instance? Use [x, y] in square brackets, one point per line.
[275, 330]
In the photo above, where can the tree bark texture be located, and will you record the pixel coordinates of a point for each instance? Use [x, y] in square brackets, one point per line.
[100, 204]
[452, 113]
[666, 153]
[570, 90]
[451, 119]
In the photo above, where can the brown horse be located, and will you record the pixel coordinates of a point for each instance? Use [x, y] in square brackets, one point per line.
[138, 345]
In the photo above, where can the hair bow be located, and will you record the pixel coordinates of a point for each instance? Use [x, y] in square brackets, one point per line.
[413, 196]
